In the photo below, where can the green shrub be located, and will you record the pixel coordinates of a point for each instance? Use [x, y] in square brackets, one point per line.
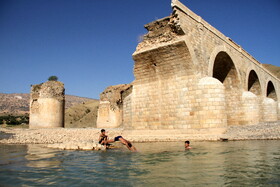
[53, 78]
[14, 120]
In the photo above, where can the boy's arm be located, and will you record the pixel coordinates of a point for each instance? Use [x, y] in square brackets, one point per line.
[99, 137]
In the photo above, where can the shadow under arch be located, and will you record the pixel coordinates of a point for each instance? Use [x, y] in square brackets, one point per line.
[213, 56]
[225, 71]
[270, 91]
[253, 84]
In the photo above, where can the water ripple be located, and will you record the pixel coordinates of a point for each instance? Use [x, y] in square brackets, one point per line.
[246, 163]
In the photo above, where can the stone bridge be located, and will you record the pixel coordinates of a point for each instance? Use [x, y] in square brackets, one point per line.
[188, 75]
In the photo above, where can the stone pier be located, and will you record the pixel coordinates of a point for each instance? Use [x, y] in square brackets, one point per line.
[110, 110]
[47, 102]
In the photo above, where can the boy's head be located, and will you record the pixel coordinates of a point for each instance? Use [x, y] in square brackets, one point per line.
[187, 142]
[102, 131]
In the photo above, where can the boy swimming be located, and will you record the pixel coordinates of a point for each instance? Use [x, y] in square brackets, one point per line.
[187, 145]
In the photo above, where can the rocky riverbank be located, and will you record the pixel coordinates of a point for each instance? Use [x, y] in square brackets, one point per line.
[86, 138]
[262, 131]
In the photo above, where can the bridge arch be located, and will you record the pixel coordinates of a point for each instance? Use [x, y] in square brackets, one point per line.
[253, 83]
[213, 56]
[270, 104]
[222, 67]
[270, 91]
[251, 98]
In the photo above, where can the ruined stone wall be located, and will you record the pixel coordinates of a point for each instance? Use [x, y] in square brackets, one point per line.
[47, 103]
[166, 90]
[110, 112]
[189, 76]
[161, 90]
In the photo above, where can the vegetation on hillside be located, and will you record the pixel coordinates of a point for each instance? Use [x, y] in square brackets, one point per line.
[14, 120]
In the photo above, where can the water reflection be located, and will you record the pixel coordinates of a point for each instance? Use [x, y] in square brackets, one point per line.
[39, 156]
[244, 163]
[12, 154]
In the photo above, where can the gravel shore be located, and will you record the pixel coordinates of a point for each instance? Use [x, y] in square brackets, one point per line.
[79, 138]
[262, 131]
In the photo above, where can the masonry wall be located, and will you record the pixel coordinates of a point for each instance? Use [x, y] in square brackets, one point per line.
[163, 89]
[206, 44]
[127, 111]
[269, 110]
[212, 111]
[47, 105]
[110, 112]
[189, 76]
[108, 117]
[250, 109]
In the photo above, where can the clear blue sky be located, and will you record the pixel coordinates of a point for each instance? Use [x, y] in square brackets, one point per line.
[88, 44]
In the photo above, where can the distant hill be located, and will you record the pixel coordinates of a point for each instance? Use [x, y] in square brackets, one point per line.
[273, 69]
[18, 103]
[80, 111]
[82, 115]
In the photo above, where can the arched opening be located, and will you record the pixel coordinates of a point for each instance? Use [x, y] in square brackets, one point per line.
[270, 92]
[254, 85]
[252, 104]
[270, 108]
[224, 70]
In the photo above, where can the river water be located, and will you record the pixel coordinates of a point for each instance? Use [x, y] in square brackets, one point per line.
[238, 163]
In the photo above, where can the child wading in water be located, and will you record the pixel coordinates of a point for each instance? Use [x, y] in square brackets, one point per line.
[187, 145]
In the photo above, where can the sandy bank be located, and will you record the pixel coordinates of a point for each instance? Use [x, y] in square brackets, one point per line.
[87, 137]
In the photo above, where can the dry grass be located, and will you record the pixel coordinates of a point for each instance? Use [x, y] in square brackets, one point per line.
[273, 69]
[82, 115]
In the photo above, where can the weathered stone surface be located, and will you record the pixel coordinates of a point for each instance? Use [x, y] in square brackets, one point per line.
[111, 105]
[188, 75]
[47, 105]
[250, 109]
